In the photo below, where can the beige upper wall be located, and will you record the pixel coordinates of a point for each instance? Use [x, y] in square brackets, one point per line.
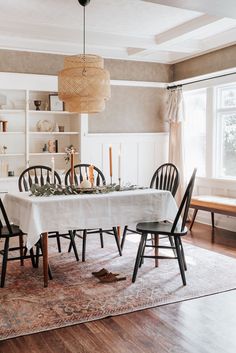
[139, 71]
[208, 63]
[132, 109]
[50, 64]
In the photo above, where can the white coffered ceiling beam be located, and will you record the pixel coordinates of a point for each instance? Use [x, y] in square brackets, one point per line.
[226, 8]
[179, 34]
[213, 42]
[56, 41]
[185, 30]
[59, 34]
[58, 47]
[219, 40]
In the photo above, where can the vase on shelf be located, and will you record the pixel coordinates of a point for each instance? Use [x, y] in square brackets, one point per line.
[45, 148]
[3, 125]
[37, 104]
[3, 169]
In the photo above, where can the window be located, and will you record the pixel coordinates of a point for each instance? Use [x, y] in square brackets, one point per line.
[226, 131]
[210, 131]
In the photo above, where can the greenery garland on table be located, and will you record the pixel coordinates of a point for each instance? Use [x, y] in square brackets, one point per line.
[55, 189]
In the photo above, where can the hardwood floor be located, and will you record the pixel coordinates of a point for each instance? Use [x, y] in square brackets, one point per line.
[204, 325]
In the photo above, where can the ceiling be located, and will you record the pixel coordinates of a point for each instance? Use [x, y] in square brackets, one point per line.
[143, 30]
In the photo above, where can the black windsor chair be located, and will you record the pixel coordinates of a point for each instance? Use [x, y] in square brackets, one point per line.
[8, 231]
[166, 177]
[175, 230]
[40, 174]
[81, 171]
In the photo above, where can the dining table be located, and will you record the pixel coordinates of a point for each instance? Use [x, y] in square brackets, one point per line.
[38, 215]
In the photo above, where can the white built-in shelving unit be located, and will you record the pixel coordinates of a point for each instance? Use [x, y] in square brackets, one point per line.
[23, 140]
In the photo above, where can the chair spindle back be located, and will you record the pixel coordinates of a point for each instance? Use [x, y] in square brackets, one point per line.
[81, 171]
[166, 177]
[185, 203]
[5, 219]
[38, 174]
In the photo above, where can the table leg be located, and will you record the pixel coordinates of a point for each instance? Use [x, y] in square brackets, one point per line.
[45, 257]
[118, 232]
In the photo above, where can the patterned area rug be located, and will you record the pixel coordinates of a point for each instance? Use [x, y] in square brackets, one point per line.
[75, 296]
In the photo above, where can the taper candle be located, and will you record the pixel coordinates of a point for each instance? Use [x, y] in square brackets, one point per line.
[72, 167]
[91, 174]
[110, 160]
[119, 165]
[53, 169]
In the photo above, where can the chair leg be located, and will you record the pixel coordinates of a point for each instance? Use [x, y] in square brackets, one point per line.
[182, 252]
[123, 237]
[212, 219]
[142, 258]
[156, 242]
[180, 260]
[172, 244]
[21, 245]
[49, 272]
[153, 239]
[32, 257]
[70, 245]
[72, 240]
[139, 256]
[58, 242]
[38, 247]
[193, 219]
[84, 244]
[25, 251]
[4, 262]
[117, 240]
[101, 238]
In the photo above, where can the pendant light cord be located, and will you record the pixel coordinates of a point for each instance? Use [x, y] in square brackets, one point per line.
[84, 18]
[84, 33]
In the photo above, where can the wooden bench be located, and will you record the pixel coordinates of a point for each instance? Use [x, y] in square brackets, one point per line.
[213, 204]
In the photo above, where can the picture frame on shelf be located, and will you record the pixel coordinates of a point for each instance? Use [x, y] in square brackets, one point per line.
[55, 104]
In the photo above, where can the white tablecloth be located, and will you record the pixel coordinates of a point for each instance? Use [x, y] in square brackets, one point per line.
[36, 215]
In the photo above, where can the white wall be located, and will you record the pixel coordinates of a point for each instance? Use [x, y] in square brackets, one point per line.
[141, 154]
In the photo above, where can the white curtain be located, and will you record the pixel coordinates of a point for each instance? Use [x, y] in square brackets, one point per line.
[175, 116]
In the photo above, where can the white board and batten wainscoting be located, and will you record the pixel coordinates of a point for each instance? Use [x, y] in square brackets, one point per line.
[140, 155]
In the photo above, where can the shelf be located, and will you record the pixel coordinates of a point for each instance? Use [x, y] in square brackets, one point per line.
[15, 178]
[50, 154]
[52, 112]
[2, 155]
[12, 133]
[53, 133]
[11, 111]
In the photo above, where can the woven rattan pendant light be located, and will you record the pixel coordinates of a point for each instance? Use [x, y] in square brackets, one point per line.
[84, 84]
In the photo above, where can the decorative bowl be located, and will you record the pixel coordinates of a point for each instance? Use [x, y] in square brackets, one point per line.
[44, 126]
